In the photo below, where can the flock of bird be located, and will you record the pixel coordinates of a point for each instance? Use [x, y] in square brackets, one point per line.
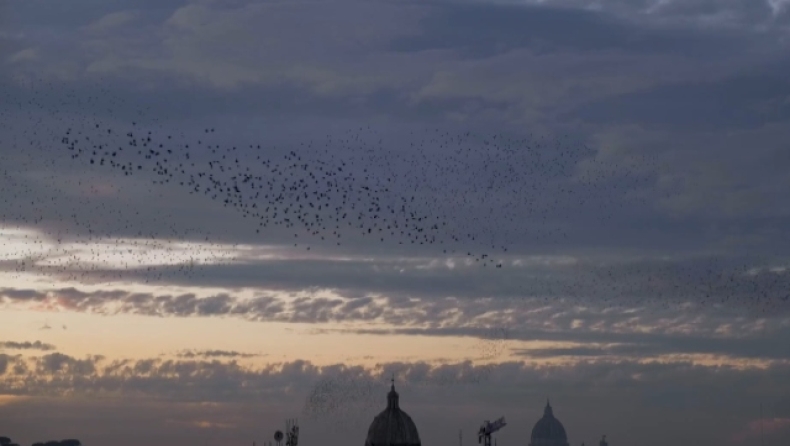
[457, 194]
[408, 196]
[343, 400]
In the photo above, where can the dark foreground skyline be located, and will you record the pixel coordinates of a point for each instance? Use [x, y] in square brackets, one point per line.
[5, 441]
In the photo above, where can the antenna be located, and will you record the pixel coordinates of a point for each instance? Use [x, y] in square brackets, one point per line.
[292, 433]
[460, 437]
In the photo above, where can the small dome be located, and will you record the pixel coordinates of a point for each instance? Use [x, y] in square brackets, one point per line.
[548, 431]
[392, 427]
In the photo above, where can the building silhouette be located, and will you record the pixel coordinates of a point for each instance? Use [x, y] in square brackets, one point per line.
[548, 431]
[392, 427]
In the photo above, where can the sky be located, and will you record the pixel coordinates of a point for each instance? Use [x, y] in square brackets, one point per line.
[588, 203]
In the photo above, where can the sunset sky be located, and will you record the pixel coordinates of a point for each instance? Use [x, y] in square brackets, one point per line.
[626, 162]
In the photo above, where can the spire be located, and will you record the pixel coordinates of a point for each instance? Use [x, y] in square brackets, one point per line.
[392, 397]
[547, 412]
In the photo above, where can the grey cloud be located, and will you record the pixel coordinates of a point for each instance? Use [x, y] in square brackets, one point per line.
[112, 21]
[4, 359]
[620, 343]
[220, 381]
[730, 12]
[214, 354]
[22, 294]
[173, 100]
[59, 364]
[40, 14]
[36, 345]
[169, 44]
[618, 281]
[627, 280]
[747, 101]
[755, 348]
[743, 184]
[386, 90]
[560, 352]
[646, 330]
[484, 30]
[722, 14]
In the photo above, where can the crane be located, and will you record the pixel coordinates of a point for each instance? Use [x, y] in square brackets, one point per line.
[489, 428]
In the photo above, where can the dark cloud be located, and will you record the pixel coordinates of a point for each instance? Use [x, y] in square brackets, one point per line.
[741, 15]
[58, 364]
[485, 30]
[214, 354]
[34, 15]
[757, 347]
[191, 106]
[4, 359]
[747, 101]
[626, 343]
[642, 330]
[27, 345]
[627, 280]
[225, 381]
[21, 294]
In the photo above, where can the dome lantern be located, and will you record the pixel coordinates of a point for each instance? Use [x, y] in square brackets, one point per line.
[392, 397]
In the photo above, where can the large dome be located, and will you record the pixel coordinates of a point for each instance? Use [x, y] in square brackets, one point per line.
[548, 431]
[392, 427]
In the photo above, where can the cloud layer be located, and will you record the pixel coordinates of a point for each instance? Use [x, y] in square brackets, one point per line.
[317, 390]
